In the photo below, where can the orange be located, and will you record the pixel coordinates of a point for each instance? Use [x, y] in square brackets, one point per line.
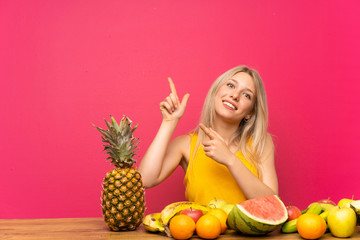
[182, 227]
[311, 226]
[208, 227]
[221, 215]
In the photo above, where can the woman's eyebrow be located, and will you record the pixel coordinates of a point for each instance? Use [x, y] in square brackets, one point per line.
[248, 89]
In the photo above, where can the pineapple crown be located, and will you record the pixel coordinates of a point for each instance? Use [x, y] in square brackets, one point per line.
[119, 142]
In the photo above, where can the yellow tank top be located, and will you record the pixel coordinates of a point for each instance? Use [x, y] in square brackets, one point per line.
[206, 179]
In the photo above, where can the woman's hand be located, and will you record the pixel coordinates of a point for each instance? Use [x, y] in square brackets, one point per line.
[171, 108]
[215, 147]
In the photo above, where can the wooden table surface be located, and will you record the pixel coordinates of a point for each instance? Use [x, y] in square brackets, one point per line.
[95, 228]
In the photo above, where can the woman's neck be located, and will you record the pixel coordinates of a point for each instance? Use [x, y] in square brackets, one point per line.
[225, 129]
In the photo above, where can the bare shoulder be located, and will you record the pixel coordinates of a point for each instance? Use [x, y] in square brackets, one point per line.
[269, 141]
[179, 148]
[268, 151]
[183, 142]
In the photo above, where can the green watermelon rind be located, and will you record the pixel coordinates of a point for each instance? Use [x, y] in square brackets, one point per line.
[239, 219]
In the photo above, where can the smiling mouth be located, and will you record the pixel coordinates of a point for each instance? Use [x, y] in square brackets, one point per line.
[229, 105]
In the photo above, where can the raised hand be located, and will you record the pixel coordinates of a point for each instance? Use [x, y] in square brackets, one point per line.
[215, 147]
[171, 108]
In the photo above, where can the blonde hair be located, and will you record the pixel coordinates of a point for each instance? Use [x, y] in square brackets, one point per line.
[251, 134]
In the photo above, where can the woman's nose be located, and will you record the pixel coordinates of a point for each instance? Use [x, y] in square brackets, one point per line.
[235, 95]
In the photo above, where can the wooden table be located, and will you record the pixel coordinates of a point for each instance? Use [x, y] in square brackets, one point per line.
[95, 228]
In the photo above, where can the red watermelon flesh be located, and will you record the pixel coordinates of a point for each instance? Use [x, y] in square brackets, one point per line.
[269, 208]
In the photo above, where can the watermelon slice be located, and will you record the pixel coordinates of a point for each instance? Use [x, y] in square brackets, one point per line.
[258, 216]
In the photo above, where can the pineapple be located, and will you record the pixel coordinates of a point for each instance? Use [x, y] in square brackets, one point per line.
[123, 203]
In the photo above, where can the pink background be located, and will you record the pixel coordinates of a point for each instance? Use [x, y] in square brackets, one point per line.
[67, 64]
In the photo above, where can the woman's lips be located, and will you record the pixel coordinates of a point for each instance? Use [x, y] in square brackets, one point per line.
[229, 105]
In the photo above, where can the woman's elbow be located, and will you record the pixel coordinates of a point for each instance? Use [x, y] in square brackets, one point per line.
[148, 181]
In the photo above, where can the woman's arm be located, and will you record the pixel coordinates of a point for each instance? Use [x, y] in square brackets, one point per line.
[248, 182]
[162, 157]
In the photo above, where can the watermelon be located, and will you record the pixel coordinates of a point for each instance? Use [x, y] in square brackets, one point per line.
[258, 216]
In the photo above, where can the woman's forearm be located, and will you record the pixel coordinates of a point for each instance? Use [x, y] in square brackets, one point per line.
[251, 185]
[151, 164]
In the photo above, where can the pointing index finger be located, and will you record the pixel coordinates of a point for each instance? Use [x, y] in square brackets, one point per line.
[206, 131]
[172, 87]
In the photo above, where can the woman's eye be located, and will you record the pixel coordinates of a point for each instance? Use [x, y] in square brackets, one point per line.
[247, 95]
[231, 85]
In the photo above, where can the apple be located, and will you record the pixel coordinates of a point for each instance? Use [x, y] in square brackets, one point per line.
[195, 214]
[345, 202]
[327, 201]
[327, 204]
[293, 212]
[341, 221]
[217, 203]
[228, 207]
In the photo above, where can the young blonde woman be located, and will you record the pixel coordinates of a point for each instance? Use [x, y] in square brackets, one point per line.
[230, 155]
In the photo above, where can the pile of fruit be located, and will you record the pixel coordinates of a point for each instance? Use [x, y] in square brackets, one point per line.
[259, 216]
[324, 216]
[181, 220]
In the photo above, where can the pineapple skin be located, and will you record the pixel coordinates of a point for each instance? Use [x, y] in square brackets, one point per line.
[123, 202]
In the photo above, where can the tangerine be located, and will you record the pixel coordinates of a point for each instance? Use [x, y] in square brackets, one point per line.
[311, 226]
[182, 227]
[208, 226]
[221, 215]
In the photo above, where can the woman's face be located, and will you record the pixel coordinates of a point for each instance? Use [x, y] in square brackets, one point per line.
[235, 99]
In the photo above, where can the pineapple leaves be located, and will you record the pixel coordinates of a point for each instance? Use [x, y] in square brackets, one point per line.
[114, 123]
[119, 142]
[108, 124]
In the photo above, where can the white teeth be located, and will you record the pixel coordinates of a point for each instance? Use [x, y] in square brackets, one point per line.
[230, 105]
